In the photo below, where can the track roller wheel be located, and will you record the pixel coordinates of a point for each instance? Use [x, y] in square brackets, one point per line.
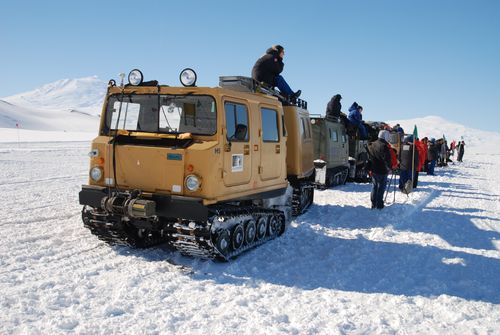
[238, 237]
[273, 227]
[250, 231]
[261, 228]
[223, 241]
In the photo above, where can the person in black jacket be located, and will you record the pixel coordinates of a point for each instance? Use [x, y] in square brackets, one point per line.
[461, 149]
[381, 164]
[407, 167]
[432, 156]
[267, 69]
[334, 106]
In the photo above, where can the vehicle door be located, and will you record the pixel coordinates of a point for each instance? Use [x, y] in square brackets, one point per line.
[272, 152]
[237, 158]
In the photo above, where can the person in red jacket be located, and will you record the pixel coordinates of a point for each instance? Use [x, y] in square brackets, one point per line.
[421, 160]
[425, 142]
[394, 157]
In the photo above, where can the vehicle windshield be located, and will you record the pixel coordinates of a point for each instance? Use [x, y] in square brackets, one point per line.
[170, 114]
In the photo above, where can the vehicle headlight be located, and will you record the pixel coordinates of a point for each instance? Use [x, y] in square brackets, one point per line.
[135, 77]
[188, 77]
[96, 173]
[192, 182]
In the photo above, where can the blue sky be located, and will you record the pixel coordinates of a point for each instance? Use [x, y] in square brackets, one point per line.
[399, 59]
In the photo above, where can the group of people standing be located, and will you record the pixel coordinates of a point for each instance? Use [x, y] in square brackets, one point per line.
[415, 156]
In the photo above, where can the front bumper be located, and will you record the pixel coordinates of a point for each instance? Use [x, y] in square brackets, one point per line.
[167, 206]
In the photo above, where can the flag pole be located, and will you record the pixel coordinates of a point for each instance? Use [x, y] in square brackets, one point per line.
[415, 135]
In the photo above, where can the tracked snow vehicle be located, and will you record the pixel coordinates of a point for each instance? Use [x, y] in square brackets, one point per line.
[331, 151]
[211, 171]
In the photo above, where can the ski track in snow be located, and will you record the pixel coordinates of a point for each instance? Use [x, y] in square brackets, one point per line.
[428, 263]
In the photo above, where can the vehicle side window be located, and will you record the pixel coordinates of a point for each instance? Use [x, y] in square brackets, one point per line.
[236, 122]
[270, 128]
[344, 139]
[335, 136]
[306, 128]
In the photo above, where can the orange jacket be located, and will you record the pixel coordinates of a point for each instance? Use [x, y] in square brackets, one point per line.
[394, 158]
[421, 154]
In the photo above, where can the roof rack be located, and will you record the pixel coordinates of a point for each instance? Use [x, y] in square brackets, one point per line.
[247, 84]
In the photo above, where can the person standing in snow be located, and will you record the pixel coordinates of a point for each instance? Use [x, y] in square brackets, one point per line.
[356, 119]
[444, 153]
[425, 142]
[408, 164]
[421, 159]
[267, 69]
[461, 150]
[453, 145]
[380, 156]
[432, 155]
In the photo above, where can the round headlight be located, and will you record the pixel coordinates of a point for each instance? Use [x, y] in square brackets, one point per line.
[96, 173]
[135, 77]
[192, 183]
[188, 77]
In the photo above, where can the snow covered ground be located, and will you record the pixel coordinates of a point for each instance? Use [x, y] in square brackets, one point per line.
[426, 264]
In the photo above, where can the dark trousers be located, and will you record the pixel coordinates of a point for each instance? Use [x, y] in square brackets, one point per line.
[432, 165]
[415, 179]
[283, 85]
[404, 176]
[379, 182]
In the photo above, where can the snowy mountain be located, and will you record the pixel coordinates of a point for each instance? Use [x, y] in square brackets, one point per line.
[83, 94]
[65, 105]
[479, 141]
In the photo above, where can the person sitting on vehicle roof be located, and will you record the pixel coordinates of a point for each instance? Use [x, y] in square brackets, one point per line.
[334, 106]
[267, 69]
[356, 118]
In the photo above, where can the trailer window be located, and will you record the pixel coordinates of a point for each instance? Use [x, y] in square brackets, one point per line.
[334, 136]
[270, 128]
[236, 122]
[306, 128]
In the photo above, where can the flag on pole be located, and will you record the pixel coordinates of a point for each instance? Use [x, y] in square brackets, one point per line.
[415, 132]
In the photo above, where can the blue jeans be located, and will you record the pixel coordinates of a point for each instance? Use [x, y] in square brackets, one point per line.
[432, 165]
[379, 182]
[362, 131]
[283, 85]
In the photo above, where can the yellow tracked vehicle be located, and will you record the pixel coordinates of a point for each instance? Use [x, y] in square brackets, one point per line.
[211, 171]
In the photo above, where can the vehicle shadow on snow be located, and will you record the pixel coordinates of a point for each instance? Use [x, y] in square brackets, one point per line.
[307, 258]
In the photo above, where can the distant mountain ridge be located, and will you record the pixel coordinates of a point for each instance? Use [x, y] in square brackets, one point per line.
[85, 94]
[436, 126]
[64, 105]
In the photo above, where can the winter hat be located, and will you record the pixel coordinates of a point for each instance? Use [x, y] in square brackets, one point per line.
[384, 135]
[278, 48]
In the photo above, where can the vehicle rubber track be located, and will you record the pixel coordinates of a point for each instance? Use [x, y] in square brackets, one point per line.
[198, 239]
[114, 231]
[302, 198]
